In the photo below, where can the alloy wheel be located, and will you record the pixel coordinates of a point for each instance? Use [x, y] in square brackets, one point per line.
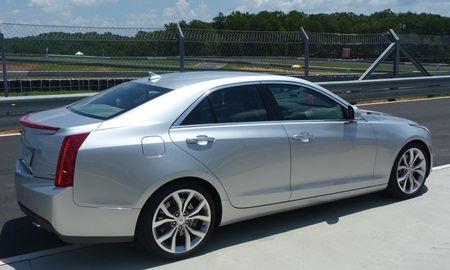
[181, 221]
[411, 170]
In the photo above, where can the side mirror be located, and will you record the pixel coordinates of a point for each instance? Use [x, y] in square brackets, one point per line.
[353, 113]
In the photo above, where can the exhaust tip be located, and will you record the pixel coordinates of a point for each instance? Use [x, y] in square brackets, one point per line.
[35, 224]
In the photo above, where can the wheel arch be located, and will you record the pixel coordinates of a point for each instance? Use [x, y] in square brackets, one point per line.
[428, 152]
[195, 181]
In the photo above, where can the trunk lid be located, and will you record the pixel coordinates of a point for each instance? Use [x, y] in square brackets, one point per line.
[42, 136]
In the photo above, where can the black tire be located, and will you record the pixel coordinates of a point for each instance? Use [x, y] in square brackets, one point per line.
[409, 172]
[176, 230]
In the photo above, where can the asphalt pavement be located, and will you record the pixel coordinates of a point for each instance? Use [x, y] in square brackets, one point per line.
[432, 113]
[367, 232]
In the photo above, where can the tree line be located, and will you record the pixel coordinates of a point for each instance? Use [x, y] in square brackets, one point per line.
[339, 22]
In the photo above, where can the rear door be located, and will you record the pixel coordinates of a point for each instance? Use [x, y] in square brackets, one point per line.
[230, 133]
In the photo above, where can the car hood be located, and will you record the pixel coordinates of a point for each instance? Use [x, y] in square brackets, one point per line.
[384, 117]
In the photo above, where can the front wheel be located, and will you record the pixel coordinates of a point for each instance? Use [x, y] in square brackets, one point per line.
[177, 221]
[409, 172]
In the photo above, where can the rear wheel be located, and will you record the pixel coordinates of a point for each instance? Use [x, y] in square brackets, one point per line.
[409, 172]
[177, 221]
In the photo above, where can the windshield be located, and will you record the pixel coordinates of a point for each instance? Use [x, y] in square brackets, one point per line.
[117, 100]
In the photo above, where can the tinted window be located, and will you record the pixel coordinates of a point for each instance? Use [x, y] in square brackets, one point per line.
[237, 104]
[201, 114]
[297, 103]
[117, 100]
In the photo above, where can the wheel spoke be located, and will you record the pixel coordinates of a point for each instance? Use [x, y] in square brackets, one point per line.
[401, 167]
[172, 233]
[188, 200]
[416, 156]
[411, 182]
[411, 157]
[197, 209]
[405, 161]
[158, 223]
[173, 246]
[422, 173]
[415, 181]
[166, 211]
[187, 240]
[405, 183]
[198, 233]
[419, 166]
[179, 202]
[402, 178]
[199, 217]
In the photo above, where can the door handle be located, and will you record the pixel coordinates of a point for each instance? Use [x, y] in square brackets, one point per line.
[304, 137]
[200, 140]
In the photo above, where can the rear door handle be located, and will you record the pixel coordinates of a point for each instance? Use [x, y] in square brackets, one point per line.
[200, 140]
[304, 137]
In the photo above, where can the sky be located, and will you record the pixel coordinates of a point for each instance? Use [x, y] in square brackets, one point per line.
[156, 13]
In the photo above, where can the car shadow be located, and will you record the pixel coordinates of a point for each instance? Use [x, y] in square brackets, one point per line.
[19, 236]
[267, 226]
[134, 256]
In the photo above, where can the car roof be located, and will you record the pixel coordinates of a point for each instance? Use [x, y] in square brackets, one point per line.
[182, 79]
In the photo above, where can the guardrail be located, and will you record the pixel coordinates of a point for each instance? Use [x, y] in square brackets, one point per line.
[367, 90]
[12, 108]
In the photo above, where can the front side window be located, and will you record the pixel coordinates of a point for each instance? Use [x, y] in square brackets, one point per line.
[236, 104]
[300, 103]
[117, 100]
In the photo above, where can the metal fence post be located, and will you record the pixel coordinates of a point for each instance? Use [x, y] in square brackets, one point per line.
[306, 40]
[5, 78]
[396, 40]
[181, 40]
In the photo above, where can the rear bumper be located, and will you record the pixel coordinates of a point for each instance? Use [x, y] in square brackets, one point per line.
[54, 209]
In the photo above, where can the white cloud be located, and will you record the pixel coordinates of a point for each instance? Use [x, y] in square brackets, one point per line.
[79, 21]
[183, 11]
[49, 3]
[58, 6]
[150, 18]
[180, 8]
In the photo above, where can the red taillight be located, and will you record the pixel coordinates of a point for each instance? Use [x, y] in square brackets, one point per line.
[24, 120]
[67, 158]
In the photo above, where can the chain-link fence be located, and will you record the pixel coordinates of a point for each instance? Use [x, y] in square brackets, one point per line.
[47, 58]
[275, 52]
[428, 49]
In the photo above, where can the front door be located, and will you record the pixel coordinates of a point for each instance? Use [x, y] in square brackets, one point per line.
[330, 154]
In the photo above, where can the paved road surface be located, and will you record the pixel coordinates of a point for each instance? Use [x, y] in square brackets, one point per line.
[432, 113]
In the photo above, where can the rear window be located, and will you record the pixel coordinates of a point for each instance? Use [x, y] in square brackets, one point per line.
[117, 100]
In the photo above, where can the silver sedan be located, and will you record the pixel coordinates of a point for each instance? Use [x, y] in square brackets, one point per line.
[166, 159]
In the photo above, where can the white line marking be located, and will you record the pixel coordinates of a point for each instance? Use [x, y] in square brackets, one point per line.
[43, 253]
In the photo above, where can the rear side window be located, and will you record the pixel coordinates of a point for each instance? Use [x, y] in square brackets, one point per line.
[117, 100]
[230, 105]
